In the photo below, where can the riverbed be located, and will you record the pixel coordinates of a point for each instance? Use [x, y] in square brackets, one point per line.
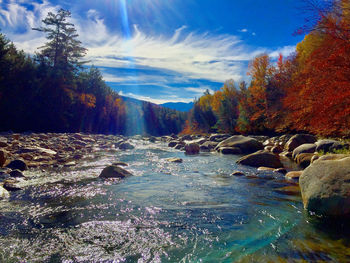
[194, 211]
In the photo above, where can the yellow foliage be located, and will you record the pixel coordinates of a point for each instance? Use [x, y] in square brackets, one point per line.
[88, 100]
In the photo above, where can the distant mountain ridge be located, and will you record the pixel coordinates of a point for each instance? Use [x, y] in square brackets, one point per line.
[180, 106]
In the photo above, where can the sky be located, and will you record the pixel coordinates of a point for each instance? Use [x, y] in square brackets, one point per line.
[165, 50]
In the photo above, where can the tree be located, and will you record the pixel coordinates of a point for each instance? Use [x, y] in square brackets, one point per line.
[63, 51]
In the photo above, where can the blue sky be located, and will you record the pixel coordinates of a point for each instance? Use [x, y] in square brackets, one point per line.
[165, 50]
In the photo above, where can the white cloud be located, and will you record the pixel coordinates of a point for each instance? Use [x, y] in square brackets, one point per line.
[243, 30]
[199, 91]
[285, 51]
[157, 100]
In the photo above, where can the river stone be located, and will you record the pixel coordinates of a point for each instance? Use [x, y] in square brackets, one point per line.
[325, 186]
[230, 150]
[280, 170]
[192, 148]
[218, 137]
[276, 149]
[298, 140]
[4, 193]
[237, 173]
[114, 171]
[16, 173]
[3, 144]
[175, 160]
[325, 145]
[36, 150]
[261, 158]
[246, 144]
[173, 143]
[304, 148]
[120, 164]
[304, 159]
[3, 157]
[293, 175]
[17, 164]
[126, 146]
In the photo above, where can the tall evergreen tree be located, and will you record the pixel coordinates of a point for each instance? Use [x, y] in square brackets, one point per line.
[63, 51]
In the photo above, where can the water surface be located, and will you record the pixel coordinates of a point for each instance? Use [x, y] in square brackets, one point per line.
[193, 211]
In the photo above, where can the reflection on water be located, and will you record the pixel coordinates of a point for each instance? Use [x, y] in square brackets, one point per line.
[193, 211]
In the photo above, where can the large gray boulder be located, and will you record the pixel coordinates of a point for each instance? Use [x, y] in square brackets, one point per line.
[246, 144]
[192, 148]
[17, 164]
[298, 140]
[325, 145]
[261, 158]
[325, 186]
[114, 171]
[304, 148]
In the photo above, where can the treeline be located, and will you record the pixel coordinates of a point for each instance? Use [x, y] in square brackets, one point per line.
[308, 91]
[53, 92]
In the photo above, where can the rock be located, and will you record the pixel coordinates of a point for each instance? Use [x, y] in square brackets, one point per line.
[246, 144]
[70, 164]
[218, 137]
[120, 164]
[262, 168]
[114, 171]
[268, 148]
[280, 170]
[304, 148]
[187, 137]
[17, 164]
[298, 140]
[11, 186]
[36, 150]
[173, 143]
[276, 149]
[15, 136]
[3, 157]
[192, 148]
[304, 159]
[230, 150]
[237, 173]
[175, 160]
[179, 147]
[286, 154]
[261, 158]
[325, 186]
[204, 148]
[293, 175]
[4, 193]
[16, 173]
[314, 158]
[210, 145]
[3, 144]
[325, 145]
[330, 157]
[126, 146]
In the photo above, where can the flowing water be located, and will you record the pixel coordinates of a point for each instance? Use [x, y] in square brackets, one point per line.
[193, 211]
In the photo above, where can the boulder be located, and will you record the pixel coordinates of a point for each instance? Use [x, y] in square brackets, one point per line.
[325, 186]
[175, 160]
[36, 150]
[230, 150]
[3, 144]
[120, 164]
[179, 146]
[4, 193]
[304, 159]
[173, 143]
[114, 171]
[192, 148]
[218, 137]
[126, 146]
[261, 158]
[280, 170]
[210, 145]
[237, 173]
[276, 149]
[17, 164]
[325, 145]
[293, 175]
[16, 173]
[298, 140]
[304, 148]
[246, 144]
[187, 137]
[3, 157]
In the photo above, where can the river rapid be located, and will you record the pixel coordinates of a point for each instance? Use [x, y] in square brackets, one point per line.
[193, 211]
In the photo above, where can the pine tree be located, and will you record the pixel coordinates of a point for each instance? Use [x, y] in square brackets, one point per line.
[62, 51]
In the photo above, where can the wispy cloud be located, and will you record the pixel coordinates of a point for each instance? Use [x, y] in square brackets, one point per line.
[190, 56]
[158, 100]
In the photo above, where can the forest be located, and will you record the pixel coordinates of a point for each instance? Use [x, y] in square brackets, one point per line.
[308, 91]
[54, 91]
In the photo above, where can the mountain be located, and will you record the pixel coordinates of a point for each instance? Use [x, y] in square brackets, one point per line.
[180, 106]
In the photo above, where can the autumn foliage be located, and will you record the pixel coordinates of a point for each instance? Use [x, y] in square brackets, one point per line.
[308, 91]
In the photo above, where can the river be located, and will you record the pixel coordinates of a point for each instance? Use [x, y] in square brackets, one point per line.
[193, 211]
